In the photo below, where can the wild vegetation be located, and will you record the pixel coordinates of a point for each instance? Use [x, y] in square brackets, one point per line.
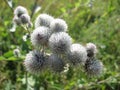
[96, 21]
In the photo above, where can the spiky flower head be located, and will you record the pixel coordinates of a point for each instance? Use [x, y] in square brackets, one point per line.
[35, 62]
[56, 63]
[58, 25]
[20, 10]
[16, 52]
[77, 54]
[25, 18]
[43, 20]
[91, 49]
[93, 67]
[60, 42]
[40, 36]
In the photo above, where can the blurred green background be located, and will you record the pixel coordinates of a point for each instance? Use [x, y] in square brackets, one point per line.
[96, 21]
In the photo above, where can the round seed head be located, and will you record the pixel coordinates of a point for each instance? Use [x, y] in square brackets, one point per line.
[35, 62]
[93, 67]
[43, 20]
[91, 49]
[60, 42]
[40, 36]
[58, 25]
[77, 54]
[25, 18]
[20, 10]
[56, 63]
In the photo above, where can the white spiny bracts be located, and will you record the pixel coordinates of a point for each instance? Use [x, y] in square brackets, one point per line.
[77, 54]
[43, 20]
[60, 42]
[40, 36]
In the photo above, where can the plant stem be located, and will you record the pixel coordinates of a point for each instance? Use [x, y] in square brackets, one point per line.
[26, 80]
[43, 50]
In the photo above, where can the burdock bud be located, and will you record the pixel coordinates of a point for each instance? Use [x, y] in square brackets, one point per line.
[20, 10]
[56, 63]
[25, 18]
[35, 62]
[16, 52]
[77, 54]
[93, 67]
[91, 49]
[58, 25]
[17, 20]
[43, 20]
[40, 36]
[60, 42]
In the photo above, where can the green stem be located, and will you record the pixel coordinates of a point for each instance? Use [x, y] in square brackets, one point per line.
[26, 79]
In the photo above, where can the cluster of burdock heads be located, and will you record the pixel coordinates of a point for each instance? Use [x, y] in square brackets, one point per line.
[53, 47]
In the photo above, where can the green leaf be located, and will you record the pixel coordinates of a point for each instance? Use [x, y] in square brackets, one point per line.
[2, 58]
[8, 54]
[13, 58]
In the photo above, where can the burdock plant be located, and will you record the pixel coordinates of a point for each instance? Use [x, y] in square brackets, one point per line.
[43, 20]
[77, 54]
[60, 42]
[40, 36]
[56, 63]
[50, 33]
[93, 67]
[35, 62]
